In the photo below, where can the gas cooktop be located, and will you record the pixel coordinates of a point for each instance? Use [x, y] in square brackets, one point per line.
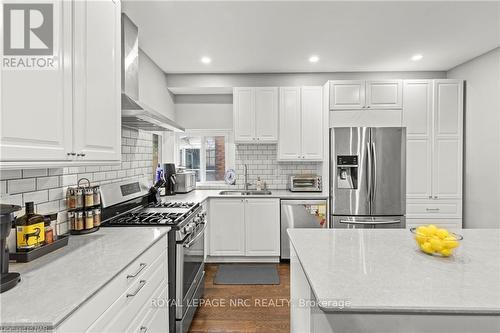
[175, 204]
[147, 218]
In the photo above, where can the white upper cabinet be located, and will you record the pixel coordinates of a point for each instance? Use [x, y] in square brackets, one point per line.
[35, 124]
[359, 94]
[71, 114]
[97, 87]
[266, 114]
[384, 94]
[417, 114]
[312, 123]
[255, 114]
[347, 94]
[289, 143]
[244, 114]
[301, 124]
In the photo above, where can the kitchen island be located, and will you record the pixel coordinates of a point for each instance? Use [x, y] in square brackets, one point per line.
[57, 290]
[379, 281]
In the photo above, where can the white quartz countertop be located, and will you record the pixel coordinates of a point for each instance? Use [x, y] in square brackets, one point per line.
[202, 195]
[55, 285]
[384, 271]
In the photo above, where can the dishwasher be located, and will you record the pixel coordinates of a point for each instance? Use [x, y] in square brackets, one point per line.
[300, 214]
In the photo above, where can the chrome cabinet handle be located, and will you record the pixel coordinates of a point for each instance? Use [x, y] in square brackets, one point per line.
[432, 209]
[142, 283]
[141, 267]
[143, 329]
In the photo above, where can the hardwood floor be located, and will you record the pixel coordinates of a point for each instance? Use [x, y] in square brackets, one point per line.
[244, 308]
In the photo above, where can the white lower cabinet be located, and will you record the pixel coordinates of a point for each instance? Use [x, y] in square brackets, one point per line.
[262, 229]
[227, 227]
[244, 227]
[134, 301]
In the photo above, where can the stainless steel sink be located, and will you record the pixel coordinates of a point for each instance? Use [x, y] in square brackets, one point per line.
[245, 192]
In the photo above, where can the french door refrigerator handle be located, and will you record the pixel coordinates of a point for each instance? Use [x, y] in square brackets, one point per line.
[369, 171]
[370, 222]
[374, 170]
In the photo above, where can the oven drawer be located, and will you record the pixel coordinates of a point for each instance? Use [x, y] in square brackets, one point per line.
[434, 208]
[121, 313]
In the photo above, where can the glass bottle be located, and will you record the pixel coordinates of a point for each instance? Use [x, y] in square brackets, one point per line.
[30, 229]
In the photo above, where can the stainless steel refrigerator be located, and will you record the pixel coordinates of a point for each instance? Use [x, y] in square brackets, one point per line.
[368, 177]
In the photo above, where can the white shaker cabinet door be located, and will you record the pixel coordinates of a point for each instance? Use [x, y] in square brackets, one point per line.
[289, 144]
[262, 225]
[244, 114]
[417, 108]
[227, 227]
[384, 94]
[312, 123]
[266, 114]
[347, 94]
[97, 84]
[418, 168]
[35, 117]
[448, 141]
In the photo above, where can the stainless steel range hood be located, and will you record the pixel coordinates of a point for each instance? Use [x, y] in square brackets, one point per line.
[135, 113]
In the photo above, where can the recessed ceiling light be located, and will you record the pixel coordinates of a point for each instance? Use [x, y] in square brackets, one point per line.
[313, 58]
[206, 60]
[417, 57]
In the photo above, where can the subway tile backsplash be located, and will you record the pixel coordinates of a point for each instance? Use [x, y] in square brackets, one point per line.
[47, 187]
[261, 160]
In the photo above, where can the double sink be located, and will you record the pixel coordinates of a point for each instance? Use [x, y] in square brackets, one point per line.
[245, 192]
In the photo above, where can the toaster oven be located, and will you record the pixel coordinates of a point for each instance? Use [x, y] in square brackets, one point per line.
[305, 183]
[185, 182]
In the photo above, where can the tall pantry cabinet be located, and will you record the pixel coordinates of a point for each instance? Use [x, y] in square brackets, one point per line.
[433, 116]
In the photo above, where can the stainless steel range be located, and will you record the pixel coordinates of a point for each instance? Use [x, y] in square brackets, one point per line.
[127, 204]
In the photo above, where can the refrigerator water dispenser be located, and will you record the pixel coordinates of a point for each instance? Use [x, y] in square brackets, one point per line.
[347, 172]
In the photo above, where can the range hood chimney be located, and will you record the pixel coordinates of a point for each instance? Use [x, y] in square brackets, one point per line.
[135, 113]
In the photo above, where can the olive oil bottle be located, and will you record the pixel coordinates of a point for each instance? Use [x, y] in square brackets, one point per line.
[30, 229]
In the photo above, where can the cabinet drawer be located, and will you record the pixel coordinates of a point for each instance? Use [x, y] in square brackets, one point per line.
[433, 208]
[92, 309]
[450, 224]
[121, 313]
[153, 317]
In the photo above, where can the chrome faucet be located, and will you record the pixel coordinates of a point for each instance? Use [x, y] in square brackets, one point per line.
[245, 170]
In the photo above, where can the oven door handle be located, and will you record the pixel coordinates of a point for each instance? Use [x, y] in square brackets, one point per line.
[202, 231]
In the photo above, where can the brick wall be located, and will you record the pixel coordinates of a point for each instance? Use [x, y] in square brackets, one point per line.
[47, 187]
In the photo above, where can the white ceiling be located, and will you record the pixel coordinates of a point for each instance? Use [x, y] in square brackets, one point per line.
[279, 36]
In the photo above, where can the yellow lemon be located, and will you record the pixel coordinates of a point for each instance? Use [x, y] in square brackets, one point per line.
[442, 233]
[420, 239]
[450, 242]
[426, 247]
[436, 244]
[422, 230]
[431, 228]
[446, 252]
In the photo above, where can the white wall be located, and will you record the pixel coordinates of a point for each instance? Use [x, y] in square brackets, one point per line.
[286, 79]
[153, 87]
[482, 139]
[204, 111]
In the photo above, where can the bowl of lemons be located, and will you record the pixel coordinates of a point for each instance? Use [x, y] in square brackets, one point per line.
[436, 241]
